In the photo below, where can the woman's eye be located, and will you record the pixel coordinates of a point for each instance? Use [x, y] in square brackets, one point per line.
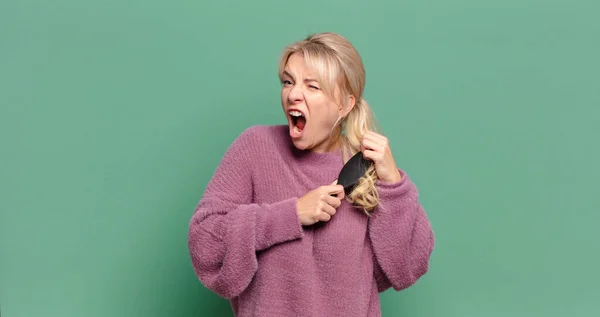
[313, 87]
[286, 82]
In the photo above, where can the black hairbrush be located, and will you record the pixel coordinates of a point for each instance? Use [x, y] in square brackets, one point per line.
[352, 171]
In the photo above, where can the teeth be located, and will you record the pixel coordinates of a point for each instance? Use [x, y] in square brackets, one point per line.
[296, 113]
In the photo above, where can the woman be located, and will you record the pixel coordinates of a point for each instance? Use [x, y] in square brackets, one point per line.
[276, 235]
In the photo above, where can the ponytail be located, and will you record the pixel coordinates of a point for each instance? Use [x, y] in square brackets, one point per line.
[357, 123]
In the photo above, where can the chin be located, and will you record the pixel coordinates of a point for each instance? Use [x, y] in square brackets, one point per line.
[301, 145]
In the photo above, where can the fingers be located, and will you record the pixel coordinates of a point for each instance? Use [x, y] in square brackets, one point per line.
[324, 212]
[369, 144]
[339, 194]
[373, 141]
[324, 217]
[374, 146]
[333, 189]
[333, 201]
[330, 202]
[373, 155]
[328, 209]
[331, 198]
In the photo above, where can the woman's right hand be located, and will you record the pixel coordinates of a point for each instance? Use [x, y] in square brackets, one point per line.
[319, 204]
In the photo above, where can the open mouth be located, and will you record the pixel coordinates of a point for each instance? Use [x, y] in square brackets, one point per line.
[298, 122]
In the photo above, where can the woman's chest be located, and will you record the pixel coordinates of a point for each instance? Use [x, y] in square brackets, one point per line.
[345, 231]
[282, 180]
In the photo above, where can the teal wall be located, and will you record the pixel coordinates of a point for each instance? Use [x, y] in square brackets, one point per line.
[114, 114]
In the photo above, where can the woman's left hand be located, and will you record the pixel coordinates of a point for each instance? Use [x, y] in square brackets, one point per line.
[376, 148]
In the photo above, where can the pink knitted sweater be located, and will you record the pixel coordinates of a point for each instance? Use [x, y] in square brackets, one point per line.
[247, 244]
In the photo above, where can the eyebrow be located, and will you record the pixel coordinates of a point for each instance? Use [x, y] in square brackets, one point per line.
[286, 73]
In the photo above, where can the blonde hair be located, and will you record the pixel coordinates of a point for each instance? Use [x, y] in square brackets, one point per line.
[341, 73]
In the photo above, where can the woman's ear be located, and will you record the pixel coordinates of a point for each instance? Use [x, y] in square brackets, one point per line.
[350, 103]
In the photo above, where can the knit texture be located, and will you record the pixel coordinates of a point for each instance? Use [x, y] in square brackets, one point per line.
[247, 244]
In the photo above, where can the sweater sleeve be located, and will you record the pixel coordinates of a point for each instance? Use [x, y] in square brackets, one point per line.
[227, 228]
[401, 236]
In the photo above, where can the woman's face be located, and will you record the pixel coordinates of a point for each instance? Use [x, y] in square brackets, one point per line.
[310, 112]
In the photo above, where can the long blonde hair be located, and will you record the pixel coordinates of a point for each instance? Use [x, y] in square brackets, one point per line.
[341, 73]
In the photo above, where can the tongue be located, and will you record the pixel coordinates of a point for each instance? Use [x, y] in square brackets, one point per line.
[301, 123]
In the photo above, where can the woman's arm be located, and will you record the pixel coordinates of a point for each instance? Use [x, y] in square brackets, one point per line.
[401, 236]
[227, 229]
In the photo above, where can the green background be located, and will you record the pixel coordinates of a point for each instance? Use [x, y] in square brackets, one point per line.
[114, 114]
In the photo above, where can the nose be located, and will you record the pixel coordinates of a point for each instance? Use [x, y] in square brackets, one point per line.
[296, 95]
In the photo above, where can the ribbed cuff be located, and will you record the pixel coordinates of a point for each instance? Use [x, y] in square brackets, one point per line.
[391, 194]
[277, 223]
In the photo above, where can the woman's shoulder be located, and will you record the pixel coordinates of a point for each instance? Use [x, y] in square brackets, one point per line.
[258, 134]
[262, 137]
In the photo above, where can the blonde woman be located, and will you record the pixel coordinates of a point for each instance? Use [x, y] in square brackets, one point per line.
[276, 235]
